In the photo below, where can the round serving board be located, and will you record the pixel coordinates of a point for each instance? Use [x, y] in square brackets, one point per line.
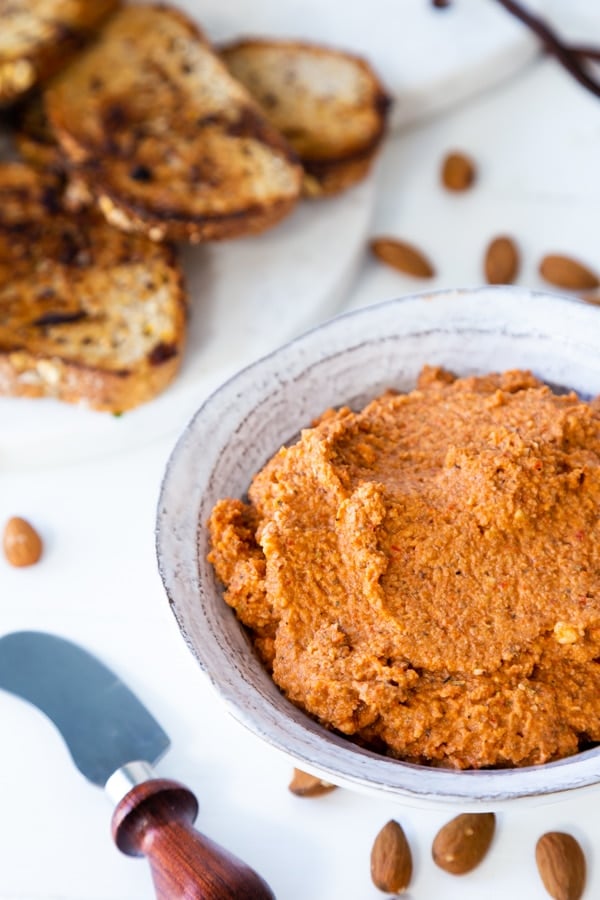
[246, 297]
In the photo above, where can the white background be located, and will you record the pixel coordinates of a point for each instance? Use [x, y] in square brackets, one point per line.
[535, 137]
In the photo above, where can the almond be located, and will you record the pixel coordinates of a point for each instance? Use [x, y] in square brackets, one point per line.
[22, 544]
[391, 859]
[458, 172]
[561, 865]
[402, 256]
[501, 261]
[305, 785]
[565, 272]
[462, 843]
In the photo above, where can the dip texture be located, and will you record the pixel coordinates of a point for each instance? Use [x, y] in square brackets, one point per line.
[424, 575]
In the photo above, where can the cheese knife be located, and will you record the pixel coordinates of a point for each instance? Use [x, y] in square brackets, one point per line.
[114, 742]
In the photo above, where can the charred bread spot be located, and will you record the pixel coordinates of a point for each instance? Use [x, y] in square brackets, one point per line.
[162, 353]
[73, 249]
[115, 116]
[57, 318]
[210, 119]
[51, 200]
[383, 104]
[141, 173]
[269, 101]
[68, 249]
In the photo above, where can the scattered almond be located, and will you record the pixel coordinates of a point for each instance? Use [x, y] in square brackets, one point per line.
[565, 272]
[305, 785]
[462, 843]
[402, 256]
[391, 859]
[22, 544]
[458, 172]
[501, 261]
[561, 864]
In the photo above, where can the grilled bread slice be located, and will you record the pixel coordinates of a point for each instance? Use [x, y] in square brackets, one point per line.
[329, 105]
[167, 141]
[37, 36]
[88, 314]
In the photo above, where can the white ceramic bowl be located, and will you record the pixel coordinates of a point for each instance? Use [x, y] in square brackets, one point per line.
[349, 360]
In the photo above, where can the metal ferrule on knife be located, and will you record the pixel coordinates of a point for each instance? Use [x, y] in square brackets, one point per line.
[127, 777]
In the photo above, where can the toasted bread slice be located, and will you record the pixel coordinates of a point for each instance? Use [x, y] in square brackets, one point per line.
[329, 105]
[87, 314]
[167, 141]
[38, 36]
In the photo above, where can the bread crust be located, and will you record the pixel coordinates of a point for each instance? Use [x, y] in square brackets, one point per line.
[24, 374]
[166, 140]
[327, 179]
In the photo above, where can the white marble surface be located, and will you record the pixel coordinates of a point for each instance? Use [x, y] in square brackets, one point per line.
[536, 141]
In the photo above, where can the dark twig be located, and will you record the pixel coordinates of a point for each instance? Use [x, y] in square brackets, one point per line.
[573, 58]
[553, 44]
[592, 53]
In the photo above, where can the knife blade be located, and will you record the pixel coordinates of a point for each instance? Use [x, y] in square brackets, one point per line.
[114, 742]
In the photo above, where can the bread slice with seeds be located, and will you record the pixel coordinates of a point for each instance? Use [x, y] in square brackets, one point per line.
[167, 141]
[38, 36]
[329, 105]
[88, 314]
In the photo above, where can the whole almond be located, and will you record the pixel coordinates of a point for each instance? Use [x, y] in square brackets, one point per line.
[565, 272]
[391, 859]
[462, 843]
[561, 864]
[22, 544]
[501, 261]
[305, 785]
[402, 256]
[458, 172]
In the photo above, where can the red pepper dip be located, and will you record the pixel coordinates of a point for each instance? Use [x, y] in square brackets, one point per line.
[424, 575]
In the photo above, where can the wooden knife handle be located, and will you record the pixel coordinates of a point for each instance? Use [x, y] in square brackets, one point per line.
[155, 820]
